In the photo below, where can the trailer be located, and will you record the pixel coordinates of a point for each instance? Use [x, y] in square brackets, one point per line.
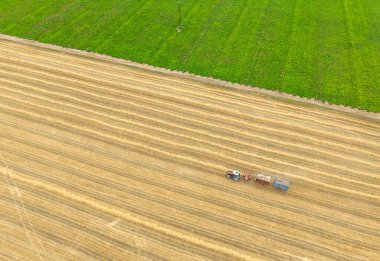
[282, 184]
[262, 179]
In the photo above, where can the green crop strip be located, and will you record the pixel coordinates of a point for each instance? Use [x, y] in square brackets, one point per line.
[325, 49]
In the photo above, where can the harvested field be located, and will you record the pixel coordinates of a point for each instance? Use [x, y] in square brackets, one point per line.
[113, 162]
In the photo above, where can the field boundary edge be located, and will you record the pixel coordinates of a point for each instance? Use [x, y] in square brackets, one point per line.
[272, 94]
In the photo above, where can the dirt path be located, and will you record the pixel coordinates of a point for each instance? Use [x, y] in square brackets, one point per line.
[109, 160]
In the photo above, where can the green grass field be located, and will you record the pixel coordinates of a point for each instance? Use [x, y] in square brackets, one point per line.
[327, 49]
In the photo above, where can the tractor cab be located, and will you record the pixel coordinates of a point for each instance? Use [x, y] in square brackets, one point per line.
[233, 174]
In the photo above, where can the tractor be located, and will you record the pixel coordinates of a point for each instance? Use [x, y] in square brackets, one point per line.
[233, 174]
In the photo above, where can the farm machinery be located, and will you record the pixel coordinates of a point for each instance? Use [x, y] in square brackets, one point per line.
[233, 174]
[259, 178]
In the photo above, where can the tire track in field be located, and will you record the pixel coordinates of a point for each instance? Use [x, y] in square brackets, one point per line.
[7, 243]
[213, 255]
[142, 232]
[123, 188]
[7, 218]
[171, 135]
[23, 216]
[102, 237]
[145, 233]
[190, 92]
[190, 212]
[99, 235]
[186, 151]
[177, 127]
[87, 250]
[12, 235]
[132, 218]
[169, 203]
[182, 102]
[237, 225]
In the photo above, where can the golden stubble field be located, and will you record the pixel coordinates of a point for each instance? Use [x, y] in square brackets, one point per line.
[105, 161]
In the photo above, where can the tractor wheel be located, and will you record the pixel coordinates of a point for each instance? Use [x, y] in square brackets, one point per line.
[228, 176]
